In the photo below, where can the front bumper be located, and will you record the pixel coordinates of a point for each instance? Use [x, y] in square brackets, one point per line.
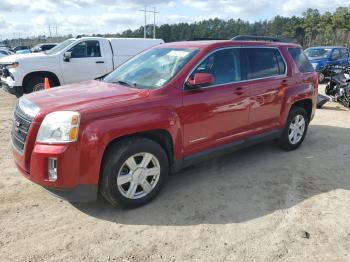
[10, 88]
[70, 185]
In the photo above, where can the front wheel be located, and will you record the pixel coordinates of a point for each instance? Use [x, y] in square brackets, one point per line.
[295, 130]
[133, 173]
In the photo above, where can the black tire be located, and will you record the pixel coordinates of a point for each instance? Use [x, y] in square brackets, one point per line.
[114, 161]
[37, 84]
[284, 140]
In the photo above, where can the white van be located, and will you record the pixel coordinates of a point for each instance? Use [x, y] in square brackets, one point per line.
[74, 60]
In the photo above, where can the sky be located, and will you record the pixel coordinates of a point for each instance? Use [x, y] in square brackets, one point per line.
[32, 17]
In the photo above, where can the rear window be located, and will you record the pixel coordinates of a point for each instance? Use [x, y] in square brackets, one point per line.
[344, 53]
[300, 60]
[264, 62]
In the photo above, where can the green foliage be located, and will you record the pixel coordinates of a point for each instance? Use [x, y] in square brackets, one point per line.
[311, 29]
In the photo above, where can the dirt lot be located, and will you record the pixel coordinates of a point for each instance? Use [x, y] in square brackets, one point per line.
[253, 205]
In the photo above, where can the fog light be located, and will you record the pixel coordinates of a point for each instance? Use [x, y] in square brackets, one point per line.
[52, 169]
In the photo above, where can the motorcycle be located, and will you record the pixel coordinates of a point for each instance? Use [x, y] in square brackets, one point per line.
[339, 85]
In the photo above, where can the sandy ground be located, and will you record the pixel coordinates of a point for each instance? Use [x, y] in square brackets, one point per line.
[253, 205]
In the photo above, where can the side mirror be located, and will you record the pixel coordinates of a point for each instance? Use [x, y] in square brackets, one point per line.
[37, 50]
[67, 56]
[200, 80]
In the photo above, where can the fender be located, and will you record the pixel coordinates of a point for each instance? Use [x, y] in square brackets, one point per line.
[99, 133]
[294, 94]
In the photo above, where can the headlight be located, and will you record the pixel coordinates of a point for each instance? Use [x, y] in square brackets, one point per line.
[59, 128]
[314, 65]
[28, 107]
[13, 65]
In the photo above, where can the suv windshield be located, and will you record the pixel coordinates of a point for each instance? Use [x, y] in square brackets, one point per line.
[60, 47]
[152, 69]
[318, 52]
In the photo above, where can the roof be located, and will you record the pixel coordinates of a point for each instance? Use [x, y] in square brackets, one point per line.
[330, 47]
[223, 43]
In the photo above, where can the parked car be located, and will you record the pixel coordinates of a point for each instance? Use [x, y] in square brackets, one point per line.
[72, 61]
[5, 52]
[24, 51]
[20, 47]
[322, 56]
[170, 107]
[43, 47]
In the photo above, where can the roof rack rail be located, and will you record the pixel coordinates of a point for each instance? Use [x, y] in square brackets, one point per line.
[259, 38]
[204, 39]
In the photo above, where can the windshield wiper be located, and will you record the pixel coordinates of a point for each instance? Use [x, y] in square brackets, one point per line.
[125, 83]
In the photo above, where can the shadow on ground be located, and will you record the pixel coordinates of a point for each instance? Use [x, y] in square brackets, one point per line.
[244, 185]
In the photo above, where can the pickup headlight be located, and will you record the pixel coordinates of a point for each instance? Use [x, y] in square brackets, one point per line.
[13, 65]
[59, 127]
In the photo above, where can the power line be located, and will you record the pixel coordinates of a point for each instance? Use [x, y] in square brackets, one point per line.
[154, 21]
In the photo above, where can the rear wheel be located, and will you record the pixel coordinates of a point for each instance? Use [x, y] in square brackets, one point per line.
[133, 173]
[295, 130]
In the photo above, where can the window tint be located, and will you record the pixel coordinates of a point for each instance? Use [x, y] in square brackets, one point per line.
[86, 49]
[224, 65]
[301, 60]
[3, 52]
[46, 47]
[264, 62]
[344, 53]
[336, 54]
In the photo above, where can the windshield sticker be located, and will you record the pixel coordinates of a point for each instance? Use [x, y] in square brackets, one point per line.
[161, 82]
[178, 53]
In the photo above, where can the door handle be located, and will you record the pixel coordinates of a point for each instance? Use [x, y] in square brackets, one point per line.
[100, 62]
[239, 91]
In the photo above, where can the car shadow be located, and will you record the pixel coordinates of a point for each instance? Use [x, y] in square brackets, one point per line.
[244, 185]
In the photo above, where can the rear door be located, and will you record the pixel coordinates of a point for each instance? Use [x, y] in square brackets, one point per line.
[216, 114]
[344, 56]
[266, 76]
[87, 62]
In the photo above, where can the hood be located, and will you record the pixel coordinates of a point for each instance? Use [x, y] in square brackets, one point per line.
[21, 57]
[84, 96]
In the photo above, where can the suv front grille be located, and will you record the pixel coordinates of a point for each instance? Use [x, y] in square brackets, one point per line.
[20, 129]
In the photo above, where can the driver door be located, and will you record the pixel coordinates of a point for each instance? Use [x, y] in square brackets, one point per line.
[86, 63]
[217, 114]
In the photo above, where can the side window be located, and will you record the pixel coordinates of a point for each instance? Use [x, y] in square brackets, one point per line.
[344, 53]
[301, 60]
[224, 65]
[86, 49]
[336, 54]
[264, 62]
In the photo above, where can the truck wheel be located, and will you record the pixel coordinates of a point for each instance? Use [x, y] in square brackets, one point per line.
[295, 130]
[37, 84]
[133, 172]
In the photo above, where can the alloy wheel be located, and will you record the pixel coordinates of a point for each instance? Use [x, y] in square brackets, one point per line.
[138, 176]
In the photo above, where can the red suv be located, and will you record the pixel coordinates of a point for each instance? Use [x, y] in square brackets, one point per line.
[169, 107]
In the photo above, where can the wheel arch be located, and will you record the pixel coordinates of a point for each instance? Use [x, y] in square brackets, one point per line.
[42, 74]
[161, 136]
[307, 104]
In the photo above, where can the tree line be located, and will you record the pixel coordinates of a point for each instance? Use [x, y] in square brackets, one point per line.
[311, 29]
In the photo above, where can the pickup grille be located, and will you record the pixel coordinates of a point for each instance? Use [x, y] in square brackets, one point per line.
[3, 71]
[20, 129]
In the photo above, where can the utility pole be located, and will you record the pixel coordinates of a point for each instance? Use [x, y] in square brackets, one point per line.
[50, 30]
[154, 21]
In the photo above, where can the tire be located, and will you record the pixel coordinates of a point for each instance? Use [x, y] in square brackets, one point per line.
[125, 180]
[37, 84]
[296, 117]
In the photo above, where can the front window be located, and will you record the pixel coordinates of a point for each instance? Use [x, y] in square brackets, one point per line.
[153, 68]
[316, 53]
[58, 48]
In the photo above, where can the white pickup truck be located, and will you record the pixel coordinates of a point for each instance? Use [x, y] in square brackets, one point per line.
[74, 60]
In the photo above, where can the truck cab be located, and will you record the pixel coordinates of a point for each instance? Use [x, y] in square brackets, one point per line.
[74, 60]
